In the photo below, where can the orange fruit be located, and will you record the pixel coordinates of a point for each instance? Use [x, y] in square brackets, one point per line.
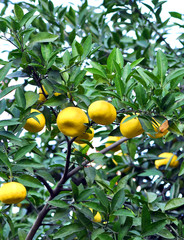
[102, 112]
[71, 121]
[88, 135]
[131, 128]
[12, 192]
[166, 158]
[32, 125]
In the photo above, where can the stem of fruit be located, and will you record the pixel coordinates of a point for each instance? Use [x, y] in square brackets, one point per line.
[38, 82]
[64, 178]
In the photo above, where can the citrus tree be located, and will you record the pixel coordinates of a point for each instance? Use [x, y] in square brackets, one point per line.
[92, 120]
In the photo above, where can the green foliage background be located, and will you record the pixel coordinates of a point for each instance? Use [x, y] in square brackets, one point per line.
[118, 54]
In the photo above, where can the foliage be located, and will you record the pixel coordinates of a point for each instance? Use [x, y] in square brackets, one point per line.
[115, 52]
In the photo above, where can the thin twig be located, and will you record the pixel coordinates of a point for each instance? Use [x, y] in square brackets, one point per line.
[103, 151]
[45, 184]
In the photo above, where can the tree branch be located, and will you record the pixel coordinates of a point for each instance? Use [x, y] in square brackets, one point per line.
[45, 184]
[64, 178]
[103, 151]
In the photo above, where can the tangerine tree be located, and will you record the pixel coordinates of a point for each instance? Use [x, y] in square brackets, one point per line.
[92, 121]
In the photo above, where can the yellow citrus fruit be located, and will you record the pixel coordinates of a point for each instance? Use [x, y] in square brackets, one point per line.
[41, 95]
[102, 112]
[12, 192]
[158, 133]
[71, 121]
[111, 140]
[32, 125]
[131, 128]
[88, 135]
[166, 158]
[97, 217]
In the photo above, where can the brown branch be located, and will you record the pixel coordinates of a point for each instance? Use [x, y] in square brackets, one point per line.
[45, 184]
[103, 151]
[65, 174]
[64, 178]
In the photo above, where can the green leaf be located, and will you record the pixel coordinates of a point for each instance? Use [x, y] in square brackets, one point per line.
[68, 230]
[174, 75]
[2, 106]
[124, 212]
[165, 233]
[145, 76]
[119, 58]
[31, 98]
[154, 228]
[123, 182]
[151, 196]
[75, 190]
[119, 86]
[3, 26]
[66, 58]
[79, 78]
[9, 122]
[29, 181]
[20, 98]
[79, 48]
[162, 65]
[141, 95]
[10, 223]
[85, 194]
[84, 220]
[28, 18]
[70, 16]
[110, 60]
[125, 228]
[22, 151]
[9, 135]
[46, 50]
[181, 172]
[96, 72]
[96, 156]
[174, 203]
[104, 236]
[43, 37]
[145, 218]
[8, 89]
[95, 206]
[3, 71]
[118, 200]
[90, 175]
[167, 101]
[58, 203]
[5, 160]
[18, 12]
[102, 197]
[22, 234]
[136, 62]
[150, 172]
[87, 46]
[96, 233]
[176, 15]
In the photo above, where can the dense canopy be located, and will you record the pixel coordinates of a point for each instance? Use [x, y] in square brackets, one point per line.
[59, 56]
